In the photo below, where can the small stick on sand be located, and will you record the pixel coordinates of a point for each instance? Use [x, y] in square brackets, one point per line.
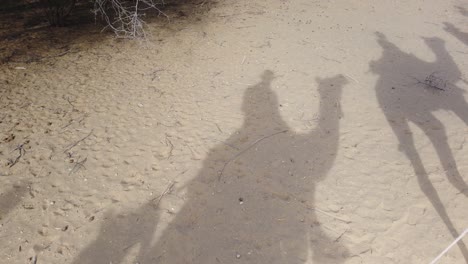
[166, 191]
[70, 103]
[329, 215]
[432, 81]
[351, 78]
[169, 142]
[22, 151]
[77, 142]
[78, 165]
[243, 151]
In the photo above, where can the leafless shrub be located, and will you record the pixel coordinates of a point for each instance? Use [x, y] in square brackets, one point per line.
[124, 17]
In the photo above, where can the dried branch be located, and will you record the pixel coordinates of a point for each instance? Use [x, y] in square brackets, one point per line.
[78, 165]
[166, 191]
[432, 81]
[22, 151]
[125, 17]
[77, 142]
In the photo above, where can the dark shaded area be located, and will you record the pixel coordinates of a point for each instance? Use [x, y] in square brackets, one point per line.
[15, 6]
[119, 233]
[462, 10]
[33, 13]
[252, 201]
[11, 198]
[26, 37]
[405, 96]
[460, 35]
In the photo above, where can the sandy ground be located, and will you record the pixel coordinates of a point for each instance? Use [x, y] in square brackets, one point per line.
[252, 132]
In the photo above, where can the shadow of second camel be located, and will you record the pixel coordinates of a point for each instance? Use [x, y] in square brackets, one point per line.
[410, 90]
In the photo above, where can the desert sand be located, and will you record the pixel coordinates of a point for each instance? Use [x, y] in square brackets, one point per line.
[240, 132]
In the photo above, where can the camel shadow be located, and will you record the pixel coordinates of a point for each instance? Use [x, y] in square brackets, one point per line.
[253, 199]
[411, 90]
[249, 202]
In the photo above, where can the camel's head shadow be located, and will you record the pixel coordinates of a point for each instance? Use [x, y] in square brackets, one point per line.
[449, 27]
[382, 39]
[463, 11]
[331, 87]
[434, 43]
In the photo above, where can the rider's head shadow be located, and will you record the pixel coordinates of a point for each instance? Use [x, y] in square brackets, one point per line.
[260, 105]
[410, 90]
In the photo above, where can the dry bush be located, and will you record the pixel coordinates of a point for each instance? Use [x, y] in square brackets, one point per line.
[124, 17]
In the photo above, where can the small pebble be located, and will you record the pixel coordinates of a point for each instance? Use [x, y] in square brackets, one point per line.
[238, 256]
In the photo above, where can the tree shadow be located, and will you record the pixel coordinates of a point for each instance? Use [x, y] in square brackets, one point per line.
[410, 90]
[456, 32]
[27, 37]
[253, 199]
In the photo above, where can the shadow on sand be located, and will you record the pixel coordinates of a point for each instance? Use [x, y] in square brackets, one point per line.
[11, 198]
[456, 32]
[252, 200]
[411, 90]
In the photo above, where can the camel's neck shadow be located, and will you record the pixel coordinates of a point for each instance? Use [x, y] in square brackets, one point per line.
[262, 110]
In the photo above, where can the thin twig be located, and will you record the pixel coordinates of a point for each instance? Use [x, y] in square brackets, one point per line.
[78, 165]
[246, 149]
[329, 215]
[429, 85]
[127, 22]
[69, 124]
[169, 142]
[166, 191]
[219, 129]
[432, 81]
[69, 102]
[77, 142]
[22, 151]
